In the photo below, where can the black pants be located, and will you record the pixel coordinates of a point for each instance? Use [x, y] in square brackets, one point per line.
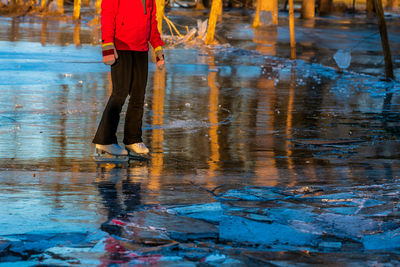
[129, 76]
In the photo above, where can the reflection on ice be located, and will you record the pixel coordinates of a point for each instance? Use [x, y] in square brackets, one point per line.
[242, 141]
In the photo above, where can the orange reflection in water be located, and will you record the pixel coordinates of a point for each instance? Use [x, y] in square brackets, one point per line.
[265, 163]
[266, 39]
[157, 157]
[77, 34]
[43, 34]
[213, 162]
[308, 51]
[289, 126]
[60, 4]
[214, 156]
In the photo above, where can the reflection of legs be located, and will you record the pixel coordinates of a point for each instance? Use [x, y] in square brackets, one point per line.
[107, 181]
[108, 192]
[121, 75]
[131, 192]
[134, 115]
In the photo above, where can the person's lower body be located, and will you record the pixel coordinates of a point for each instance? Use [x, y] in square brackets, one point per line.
[129, 77]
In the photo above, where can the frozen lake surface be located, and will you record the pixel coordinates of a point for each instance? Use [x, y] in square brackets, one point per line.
[256, 159]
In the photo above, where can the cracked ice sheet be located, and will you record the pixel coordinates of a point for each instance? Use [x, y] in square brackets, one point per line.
[297, 221]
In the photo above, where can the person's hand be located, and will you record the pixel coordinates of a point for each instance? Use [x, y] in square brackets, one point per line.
[110, 54]
[160, 62]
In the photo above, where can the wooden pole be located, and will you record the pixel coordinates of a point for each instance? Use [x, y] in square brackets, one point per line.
[77, 9]
[275, 12]
[212, 21]
[384, 38]
[160, 4]
[392, 4]
[263, 7]
[220, 7]
[256, 21]
[291, 28]
[97, 6]
[370, 8]
[308, 9]
[200, 5]
[325, 7]
[60, 5]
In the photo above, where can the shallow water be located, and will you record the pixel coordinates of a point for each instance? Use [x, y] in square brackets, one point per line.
[216, 118]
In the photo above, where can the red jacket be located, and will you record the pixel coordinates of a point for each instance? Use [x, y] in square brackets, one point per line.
[129, 25]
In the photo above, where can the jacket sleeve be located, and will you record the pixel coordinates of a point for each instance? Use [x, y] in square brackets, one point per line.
[155, 39]
[108, 20]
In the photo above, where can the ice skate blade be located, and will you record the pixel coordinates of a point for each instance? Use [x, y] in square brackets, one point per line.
[138, 157]
[103, 153]
[108, 158]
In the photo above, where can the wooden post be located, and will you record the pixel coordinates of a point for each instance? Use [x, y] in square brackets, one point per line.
[212, 21]
[325, 7]
[256, 21]
[384, 38]
[353, 9]
[60, 5]
[43, 3]
[97, 6]
[291, 29]
[392, 4]
[370, 8]
[275, 12]
[200, 5]
[77, 9]
[220, 7]
[308, 9]
[263, 8]
[160, 4]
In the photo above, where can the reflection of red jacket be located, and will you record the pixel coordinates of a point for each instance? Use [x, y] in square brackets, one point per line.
[129, 25]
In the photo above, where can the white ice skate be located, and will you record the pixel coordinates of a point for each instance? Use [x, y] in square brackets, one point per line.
[138, 150]
[111, 153]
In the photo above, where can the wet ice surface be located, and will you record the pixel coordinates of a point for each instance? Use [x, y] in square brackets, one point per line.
[255, 160]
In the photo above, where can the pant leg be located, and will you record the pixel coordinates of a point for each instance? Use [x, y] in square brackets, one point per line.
[121, 77]
[134, 115]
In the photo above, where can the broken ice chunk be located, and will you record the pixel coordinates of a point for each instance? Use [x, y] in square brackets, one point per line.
[342, 58]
